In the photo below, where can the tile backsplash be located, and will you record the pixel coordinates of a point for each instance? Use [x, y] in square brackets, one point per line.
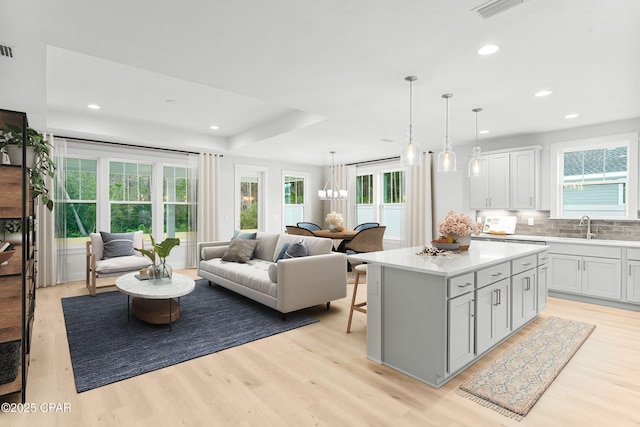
[543, 226]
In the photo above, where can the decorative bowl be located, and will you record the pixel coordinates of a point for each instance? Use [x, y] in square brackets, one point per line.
[6, 255]
[446, 246]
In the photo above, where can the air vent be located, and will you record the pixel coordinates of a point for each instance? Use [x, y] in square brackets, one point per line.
[492, 8]
[6, 51]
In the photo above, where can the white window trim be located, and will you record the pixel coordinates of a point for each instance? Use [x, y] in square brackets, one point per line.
[306, 206]
[556, 171]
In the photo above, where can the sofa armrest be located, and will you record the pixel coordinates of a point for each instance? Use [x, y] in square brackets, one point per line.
[202, 245]
[307, 281]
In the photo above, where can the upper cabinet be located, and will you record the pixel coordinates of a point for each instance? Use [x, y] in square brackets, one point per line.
[510, 182]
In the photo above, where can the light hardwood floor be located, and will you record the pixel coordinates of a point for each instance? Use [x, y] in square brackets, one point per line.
[318, 375]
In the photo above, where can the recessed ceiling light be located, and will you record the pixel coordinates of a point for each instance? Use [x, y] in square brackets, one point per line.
[488, 49]
[170, 101]
[214, 127]
[571, 116]
[484, 131]
[543, 93]
[93, 106]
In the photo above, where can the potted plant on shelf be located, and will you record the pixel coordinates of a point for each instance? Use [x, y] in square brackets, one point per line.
[162, 251]
[13, 231]
[40, 163]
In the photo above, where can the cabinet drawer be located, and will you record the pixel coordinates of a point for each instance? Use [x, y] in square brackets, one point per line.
[633, 254]
[543, 258]
[523, 264]
[493, 274]
[460, 285]
[586, 249]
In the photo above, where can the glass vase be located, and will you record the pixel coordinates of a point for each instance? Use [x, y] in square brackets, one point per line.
[159, 271]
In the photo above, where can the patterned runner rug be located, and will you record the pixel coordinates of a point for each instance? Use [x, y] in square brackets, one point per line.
[514, 382]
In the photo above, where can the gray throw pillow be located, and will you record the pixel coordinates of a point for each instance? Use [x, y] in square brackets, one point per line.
[240, 250]
[296, 250]
[117, 244]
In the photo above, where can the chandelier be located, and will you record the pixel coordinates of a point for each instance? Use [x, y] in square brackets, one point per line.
[331, 191]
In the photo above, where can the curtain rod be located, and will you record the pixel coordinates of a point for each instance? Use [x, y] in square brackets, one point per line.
[378, 160]
[122, 144]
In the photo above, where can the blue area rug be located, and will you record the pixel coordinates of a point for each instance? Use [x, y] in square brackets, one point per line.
[106, 348]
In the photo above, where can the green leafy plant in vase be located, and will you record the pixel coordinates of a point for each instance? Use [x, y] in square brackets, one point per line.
[158, 257]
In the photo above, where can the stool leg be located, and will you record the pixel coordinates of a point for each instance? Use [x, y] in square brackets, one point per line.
[353, 300]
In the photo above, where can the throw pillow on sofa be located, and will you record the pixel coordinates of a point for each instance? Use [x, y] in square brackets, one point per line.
[282, 252]
[296, 250]
[239, 250]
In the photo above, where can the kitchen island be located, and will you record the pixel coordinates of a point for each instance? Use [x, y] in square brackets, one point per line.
[433, 316]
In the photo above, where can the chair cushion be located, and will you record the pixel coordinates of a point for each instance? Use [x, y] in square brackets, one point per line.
[121, 264]
[117, 244]
[239, 250]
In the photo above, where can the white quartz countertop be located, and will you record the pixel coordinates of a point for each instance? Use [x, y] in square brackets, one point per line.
[552, 239]
[480, 255]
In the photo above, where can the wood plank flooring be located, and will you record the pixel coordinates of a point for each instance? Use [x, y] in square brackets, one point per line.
[318, 375]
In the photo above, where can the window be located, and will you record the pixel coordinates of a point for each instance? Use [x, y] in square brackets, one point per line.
[381, 197]
[130, 196]
[177, 191]
[294, 201]
[77, 197]
[596, 178]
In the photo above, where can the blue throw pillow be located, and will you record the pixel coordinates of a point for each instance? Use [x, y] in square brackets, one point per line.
[117, 244]
[283, 251]
[246, 236]
[296, 250]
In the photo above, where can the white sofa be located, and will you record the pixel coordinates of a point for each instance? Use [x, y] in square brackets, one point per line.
[318, 278]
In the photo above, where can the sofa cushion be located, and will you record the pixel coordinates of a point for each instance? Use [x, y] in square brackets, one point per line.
[239, 250]
[273, 272]
[297, 250]
[315, 245]
[213, 252]
[253, 274]
[117, 244]
[266, 246]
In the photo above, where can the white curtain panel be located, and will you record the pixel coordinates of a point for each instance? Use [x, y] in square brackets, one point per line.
[208, 197]
[45, 231]
[419, 204]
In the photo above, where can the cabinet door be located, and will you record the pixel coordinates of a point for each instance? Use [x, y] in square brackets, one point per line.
[601, 277]
[478, 191]
[633, 281]
[543, 278]
[565, 273]
[523, 300]
[493, 314]
[461, 332]
[498, 184]
[523, 178]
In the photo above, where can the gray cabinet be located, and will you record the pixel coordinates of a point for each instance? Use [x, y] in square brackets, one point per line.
[461, 331]
[493, 314]
[543, 279]
[523, 298]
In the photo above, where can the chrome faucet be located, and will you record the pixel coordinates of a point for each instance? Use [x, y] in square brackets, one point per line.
[589, 233]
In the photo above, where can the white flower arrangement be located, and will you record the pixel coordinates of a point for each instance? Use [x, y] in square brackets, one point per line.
[459, 224]
[334, 218]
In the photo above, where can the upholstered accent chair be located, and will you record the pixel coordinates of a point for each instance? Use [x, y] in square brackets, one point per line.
[309, 226]
[112, 254]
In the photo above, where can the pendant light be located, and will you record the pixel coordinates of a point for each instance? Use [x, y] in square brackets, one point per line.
[477, 165]
[331, 191]
[447, 158]
[410, 155]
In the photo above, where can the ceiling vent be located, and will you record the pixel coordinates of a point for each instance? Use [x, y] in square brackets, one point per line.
[492, 8]
[6, 51]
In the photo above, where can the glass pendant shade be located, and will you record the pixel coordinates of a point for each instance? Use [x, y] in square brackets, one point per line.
[447, 158]
[411, 151]
[477, 165]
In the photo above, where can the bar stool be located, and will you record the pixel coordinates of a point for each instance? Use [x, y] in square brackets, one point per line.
[361, 270]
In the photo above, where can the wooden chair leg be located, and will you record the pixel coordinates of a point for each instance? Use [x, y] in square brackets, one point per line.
[354, 306]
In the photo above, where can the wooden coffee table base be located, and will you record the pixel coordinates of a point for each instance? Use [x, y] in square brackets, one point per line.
[155, 311]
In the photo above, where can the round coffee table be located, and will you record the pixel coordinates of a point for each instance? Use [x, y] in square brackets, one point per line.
[153, 300]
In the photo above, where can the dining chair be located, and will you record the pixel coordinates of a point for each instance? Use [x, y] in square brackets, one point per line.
[299, 231]
[366, 225]
[309, 226]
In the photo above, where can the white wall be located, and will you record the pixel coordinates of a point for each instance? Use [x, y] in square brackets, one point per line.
[451, 191]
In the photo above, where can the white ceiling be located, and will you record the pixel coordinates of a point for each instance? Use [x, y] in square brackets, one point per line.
[294, 79]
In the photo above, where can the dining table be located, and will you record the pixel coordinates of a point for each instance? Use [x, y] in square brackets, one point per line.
[339, 237]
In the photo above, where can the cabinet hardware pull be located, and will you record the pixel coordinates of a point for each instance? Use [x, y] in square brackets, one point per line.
[526, 264]
[499, 273]
[528, 287]
[499, 296]
[584, 265]
[465, 285]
